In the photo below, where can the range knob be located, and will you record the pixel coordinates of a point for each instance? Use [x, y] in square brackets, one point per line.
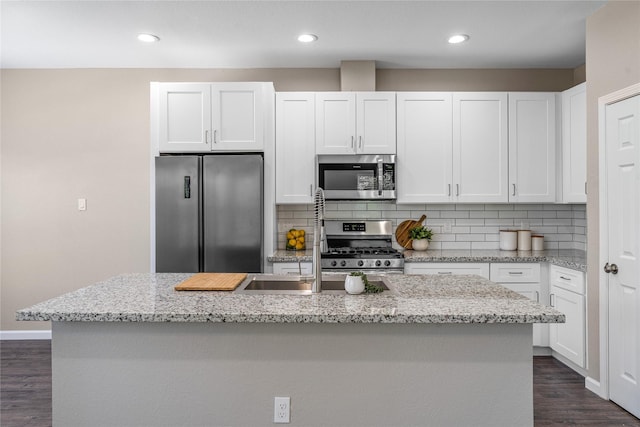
[378, 263]
[360, 263]
[343, 263]
[334, 263]
[387, 263]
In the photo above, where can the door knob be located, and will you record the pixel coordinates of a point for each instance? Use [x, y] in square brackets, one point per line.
[611, 268]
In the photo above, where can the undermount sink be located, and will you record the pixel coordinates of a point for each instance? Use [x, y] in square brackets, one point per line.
[258, 284]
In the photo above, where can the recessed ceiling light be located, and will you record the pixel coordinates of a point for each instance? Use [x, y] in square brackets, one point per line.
[458, 38]
[307, 38]
[148, 38]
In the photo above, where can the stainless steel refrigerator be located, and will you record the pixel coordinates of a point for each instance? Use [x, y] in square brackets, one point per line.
[209, 213]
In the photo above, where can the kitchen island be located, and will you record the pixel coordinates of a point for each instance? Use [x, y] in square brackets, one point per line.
[435, 351]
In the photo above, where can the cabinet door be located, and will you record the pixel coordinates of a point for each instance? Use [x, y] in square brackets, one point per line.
[295, 147]
[184, 117]
[447, 269]
[376, 122]
[532, 147]
[480, 156]
[568, 339]
[425, 151]
[532, 291]
[574, 145]
[238, 116]
[335, 123]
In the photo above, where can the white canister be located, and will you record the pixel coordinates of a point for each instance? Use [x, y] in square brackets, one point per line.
[537, 242]
[353, 284]
[508, 240]
[524, 240]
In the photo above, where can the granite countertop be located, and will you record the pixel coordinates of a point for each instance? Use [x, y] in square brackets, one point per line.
[417, 299]
[570, 258]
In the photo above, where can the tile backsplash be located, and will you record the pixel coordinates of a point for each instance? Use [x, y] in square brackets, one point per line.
[455, 226]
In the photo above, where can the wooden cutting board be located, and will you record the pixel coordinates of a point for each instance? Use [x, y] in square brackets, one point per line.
[402, 231]
[212, 282]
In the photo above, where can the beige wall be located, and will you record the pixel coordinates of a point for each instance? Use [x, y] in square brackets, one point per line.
[77, 133]
[613, 63]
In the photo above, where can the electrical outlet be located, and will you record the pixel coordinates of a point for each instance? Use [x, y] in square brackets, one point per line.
[281, 410]
[447, 227]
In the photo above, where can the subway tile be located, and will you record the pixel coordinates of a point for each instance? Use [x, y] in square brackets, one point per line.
[470, 237]
[470, 221]
[303, 214]
[352, 207]
[381, 207]
[411, 206]
[557, 207]
[470, 207]
[485, 245]
[485, 230]
[559, 237]
[512, 214]
[397, 214]
[443, 207]
[459, 230]
[456, 245]
[438, 237]
[568, 229]
[560, 221]
[483, 214]
[527, 207]
[542, 214]
[495, 207]
[455, 214]
[580, 222]
[432, 214]
[502, 222]
[564, 214]
[367, 214]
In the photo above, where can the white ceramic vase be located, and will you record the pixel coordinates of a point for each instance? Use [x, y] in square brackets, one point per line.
[354, 285]
[420, 244]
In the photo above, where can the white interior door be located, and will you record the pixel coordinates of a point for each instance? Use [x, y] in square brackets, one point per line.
[623, 195]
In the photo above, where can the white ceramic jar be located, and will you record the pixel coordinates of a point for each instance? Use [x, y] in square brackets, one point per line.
[353, 285]
[524, 240]
[508, 240]
[537, 242]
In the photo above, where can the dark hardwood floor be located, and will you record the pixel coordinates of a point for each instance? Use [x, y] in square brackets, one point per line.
[559, 396]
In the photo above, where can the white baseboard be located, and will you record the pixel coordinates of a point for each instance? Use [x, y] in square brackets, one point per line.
[25, 335]
[594, 386]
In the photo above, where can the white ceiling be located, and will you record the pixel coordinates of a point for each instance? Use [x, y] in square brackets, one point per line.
[259, 34]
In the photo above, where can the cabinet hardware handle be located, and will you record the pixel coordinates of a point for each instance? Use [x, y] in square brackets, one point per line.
[352, 142]
[537, 296]
[457, 190]
[613, 269]
[444, 272]
[187, 187]
[564, 278]
[215, 134]
[449, 189]
[360, 142]
[515, 273]
[585, 187]
[206, 136]
[514, 189]
[311, 190]
[551, 298]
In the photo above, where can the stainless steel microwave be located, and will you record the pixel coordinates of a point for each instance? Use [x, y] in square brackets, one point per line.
[357, 177]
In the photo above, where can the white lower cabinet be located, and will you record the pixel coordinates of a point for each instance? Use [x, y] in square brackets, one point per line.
[292, 268]
[525, 279]
[447, 268]
[567, 295]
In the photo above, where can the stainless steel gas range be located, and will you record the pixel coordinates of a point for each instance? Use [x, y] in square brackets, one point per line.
[353, 245]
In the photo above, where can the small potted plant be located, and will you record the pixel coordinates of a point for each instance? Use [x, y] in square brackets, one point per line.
[420, 237]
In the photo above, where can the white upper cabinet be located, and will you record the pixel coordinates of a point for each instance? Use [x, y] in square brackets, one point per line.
[574, 144]
[532, 147]
[184, 111]
[202, 117]
[425, 147]
[355, 123]
[295, 147]
[237, 116]
[480, 152]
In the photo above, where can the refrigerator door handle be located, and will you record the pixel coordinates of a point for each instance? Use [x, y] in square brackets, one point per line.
[187, 187]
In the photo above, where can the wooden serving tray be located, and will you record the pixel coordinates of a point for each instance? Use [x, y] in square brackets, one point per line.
[212, 282]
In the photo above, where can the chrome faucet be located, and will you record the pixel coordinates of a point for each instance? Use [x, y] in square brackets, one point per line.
[318, 236]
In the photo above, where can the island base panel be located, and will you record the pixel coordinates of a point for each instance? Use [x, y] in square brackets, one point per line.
[216, 374]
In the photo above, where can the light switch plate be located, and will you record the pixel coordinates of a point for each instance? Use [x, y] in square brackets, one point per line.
[82, 204]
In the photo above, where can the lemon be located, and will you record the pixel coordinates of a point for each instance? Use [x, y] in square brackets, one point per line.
[300, 239]
[292, 242]
[301, 233]
[299, 246]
